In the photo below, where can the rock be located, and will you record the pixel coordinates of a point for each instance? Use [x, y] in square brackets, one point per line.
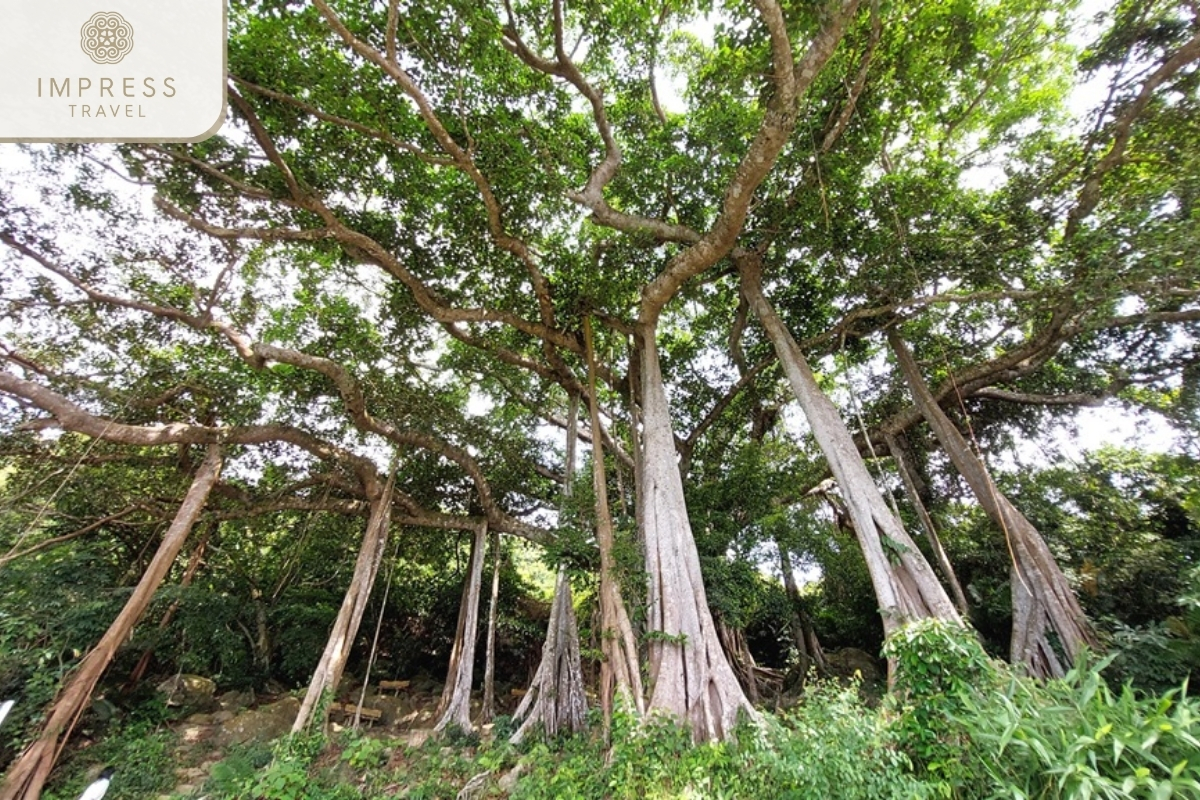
[103, 709]
[221, 717]
[427, 685]
[846, 662]
[393, 709]
[508, 781]
[418, 737]
[234, 700]
[187, 690]
[261, 724]
[850, 662]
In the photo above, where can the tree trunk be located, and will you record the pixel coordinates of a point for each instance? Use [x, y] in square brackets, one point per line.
[1041, 597]
[555, 699]
[619, 669]
[488, 711]
[733, 640]
[804, 635]
[935, 541]
[690, 676]
[189, 574]
[262, 638]
[328, 673]
[905, 585]
[455, 705]
[29, 771]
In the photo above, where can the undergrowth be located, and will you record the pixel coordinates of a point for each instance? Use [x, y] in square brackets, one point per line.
[957, 725]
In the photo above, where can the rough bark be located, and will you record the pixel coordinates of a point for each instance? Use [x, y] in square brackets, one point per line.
[1041, 597]
[27, 774]
[488, 710]
[619, 670]
[935, 542]
[690, 676]
[905, 585]
[733, 640]
[556, 699]
[328, 672]
[189, 574]
[455, 705]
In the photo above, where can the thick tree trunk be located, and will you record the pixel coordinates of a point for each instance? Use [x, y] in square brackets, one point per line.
[29, 771]
[619, 670]
[189, 574]
[488, 710]
[905, 585]
[455, 705]
[935, 541]
[556, 699]
[690, 676]
[328, 673]
[1041, 597]
[804, 635]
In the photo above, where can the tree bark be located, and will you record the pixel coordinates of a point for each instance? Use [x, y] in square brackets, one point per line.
[935, 541]
[733, 640]
[488, 710]
[619, 670]
[1041, 597]
[804, 635]
[556, 698]
[690, 676]
[189, 574]
[905, 585]
[328, 673]
[27, 774]
[455, 705]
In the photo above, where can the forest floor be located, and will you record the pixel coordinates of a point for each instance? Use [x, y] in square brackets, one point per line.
[400, 720]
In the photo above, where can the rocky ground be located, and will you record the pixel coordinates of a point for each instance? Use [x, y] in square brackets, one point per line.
[239, 718]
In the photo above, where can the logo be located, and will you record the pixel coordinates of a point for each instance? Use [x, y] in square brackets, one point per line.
[107, 37]
[70, 70]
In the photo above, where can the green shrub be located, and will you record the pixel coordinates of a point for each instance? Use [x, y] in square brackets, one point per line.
[364, 752]
[143, 758]
[831, 746]
[1078, 738]
[939, 667]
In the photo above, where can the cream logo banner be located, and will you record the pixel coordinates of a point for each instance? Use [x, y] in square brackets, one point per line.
[111, 70]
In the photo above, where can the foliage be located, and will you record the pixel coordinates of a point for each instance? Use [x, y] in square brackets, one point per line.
[831, 746]
[1079, 738]
[142, 754]
[282, 774]
[938, 665]
[363, 752]
[976, 731]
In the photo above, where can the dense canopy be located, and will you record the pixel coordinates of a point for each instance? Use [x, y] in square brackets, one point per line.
[766, 328]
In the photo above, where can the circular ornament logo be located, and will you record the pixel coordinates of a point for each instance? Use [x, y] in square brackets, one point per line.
[107, 37]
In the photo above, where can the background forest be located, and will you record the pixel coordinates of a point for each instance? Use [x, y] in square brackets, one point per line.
[688, 400]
